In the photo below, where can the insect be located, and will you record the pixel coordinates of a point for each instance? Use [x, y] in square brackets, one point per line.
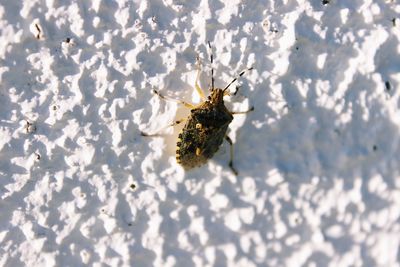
[205, 128]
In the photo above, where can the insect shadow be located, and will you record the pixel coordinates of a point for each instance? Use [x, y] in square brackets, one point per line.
[206, 126]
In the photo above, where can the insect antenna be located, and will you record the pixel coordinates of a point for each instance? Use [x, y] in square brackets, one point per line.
[240, 75]
[212, 69]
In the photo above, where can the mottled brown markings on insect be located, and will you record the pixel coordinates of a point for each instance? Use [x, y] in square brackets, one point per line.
[204, 131]
[205, 128]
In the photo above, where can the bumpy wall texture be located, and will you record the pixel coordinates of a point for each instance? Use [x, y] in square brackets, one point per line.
[318, 158]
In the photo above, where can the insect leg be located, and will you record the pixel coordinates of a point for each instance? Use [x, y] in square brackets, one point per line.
[186, 104]
[196, 84]
[228, 139]
[242, 112]
[160, 130]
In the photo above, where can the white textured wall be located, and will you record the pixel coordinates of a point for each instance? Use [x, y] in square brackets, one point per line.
[318, 159]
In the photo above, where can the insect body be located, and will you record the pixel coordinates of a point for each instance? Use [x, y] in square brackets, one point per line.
[205, 129]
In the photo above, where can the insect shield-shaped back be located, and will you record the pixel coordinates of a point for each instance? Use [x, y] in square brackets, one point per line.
[203, 133]
[206, 127]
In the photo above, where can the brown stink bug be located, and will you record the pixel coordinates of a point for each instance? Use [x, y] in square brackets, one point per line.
[206, 127]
